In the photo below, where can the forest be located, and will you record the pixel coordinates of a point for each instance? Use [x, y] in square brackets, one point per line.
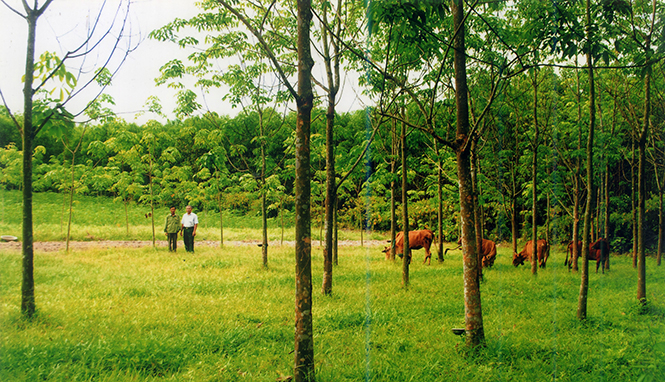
[508, 121]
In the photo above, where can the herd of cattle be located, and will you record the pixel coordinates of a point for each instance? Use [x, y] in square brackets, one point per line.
[598, 250]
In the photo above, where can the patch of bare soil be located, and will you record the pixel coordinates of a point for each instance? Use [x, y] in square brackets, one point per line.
[55, 246]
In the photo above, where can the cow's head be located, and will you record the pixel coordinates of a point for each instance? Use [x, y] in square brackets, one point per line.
[386, 251]
[487, 261]
[518, 259]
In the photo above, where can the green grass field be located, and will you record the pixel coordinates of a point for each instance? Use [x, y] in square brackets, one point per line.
[101, 218]
[148, 315]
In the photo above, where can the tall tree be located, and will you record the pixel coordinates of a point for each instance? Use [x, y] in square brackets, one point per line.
[51, 109]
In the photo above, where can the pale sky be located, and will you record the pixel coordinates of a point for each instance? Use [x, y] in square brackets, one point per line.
[63, 26]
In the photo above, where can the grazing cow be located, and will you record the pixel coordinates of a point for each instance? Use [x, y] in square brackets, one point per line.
[599, 251]
[417, 240]
[487, 252]
[569, 251]
[542, 250]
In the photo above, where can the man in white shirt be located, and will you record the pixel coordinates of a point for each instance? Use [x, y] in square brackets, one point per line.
[189, 223]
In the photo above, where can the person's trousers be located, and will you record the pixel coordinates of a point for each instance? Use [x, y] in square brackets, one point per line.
[173, 241]
[188, 239]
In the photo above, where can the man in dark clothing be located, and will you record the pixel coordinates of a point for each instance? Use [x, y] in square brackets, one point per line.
[171, 229]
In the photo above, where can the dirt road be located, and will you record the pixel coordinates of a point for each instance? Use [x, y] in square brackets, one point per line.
[55, 246]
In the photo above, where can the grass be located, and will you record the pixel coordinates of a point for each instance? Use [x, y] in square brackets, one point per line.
[101, 218]
[148, 315]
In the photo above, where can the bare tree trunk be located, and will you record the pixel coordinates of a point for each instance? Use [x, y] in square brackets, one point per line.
[28, 284]
[71, 204]
[534, 177]
[475, 334]
[476, 207]
[335, 236]
[642, 192]
[152, 201]
[393, 191]
[126, 216]
[406, 253]
[440, 203]
[221, 220]
[633, 187]
[304, 335]
[584, 282]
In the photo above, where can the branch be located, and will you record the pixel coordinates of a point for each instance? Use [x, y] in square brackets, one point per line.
[13, 10]
[18, 125]
[264, 45]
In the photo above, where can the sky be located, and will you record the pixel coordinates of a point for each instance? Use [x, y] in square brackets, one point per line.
[63, 27]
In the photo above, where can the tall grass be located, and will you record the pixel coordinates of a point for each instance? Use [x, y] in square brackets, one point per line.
[148, 315]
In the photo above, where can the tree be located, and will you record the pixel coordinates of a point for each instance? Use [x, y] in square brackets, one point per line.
[52, 109]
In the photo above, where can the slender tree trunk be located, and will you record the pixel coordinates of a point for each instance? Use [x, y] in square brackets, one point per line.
[633, 181]
[584, 282]
[606, 229]
[28, 284]
[71, 204]
[642, 192]
[534, 177]
[660, 226]
[281, 218]
[577, 181]
[221, 219]
[331, 187]
[62, 211]
[264, 206]
[476, 207]
[335, 236]
[393, 191]
[152, 201]
[304, 335]
[513, 220]
[439, 173]
[406, 253]
[126, 216]
[475, 334]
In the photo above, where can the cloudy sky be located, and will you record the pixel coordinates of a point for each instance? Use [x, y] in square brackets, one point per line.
[63, 27]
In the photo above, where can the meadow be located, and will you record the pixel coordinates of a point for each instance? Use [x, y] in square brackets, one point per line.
[102, 218]
[217, 315]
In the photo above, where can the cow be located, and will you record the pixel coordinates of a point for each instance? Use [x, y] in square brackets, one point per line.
[417, 240]
[487, 252]
[599, 251]
[542, 250]
[569, 251]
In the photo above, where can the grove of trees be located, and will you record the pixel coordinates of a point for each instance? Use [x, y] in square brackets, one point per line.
[502, 120]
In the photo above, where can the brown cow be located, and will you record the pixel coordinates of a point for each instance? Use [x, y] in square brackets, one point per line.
[542, 253]
[417, 240]
[487, 252]
[569, 251]
[599, 251]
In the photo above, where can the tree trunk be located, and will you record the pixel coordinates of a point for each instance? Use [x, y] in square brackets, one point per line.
[281, 218]
[71, 204]
[476, 207]
[335, 236]
[152, 201]
[28, 284]
[406, 253]
[126, 216]
[264, 206]
[221, 220]
[633, 187]
[440, 203]
[513, 221]
[606, 229]
[304, 335]
[330, 153]
[475, 334]
[642, 192]
[584, 282]
[393, 191]
[534, 177]
[660, 226]
[576, 223]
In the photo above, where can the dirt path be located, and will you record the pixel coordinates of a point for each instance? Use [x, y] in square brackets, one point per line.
[54, 246]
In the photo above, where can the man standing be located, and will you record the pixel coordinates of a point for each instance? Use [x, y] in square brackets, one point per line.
[189, 223]
[171, 229]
